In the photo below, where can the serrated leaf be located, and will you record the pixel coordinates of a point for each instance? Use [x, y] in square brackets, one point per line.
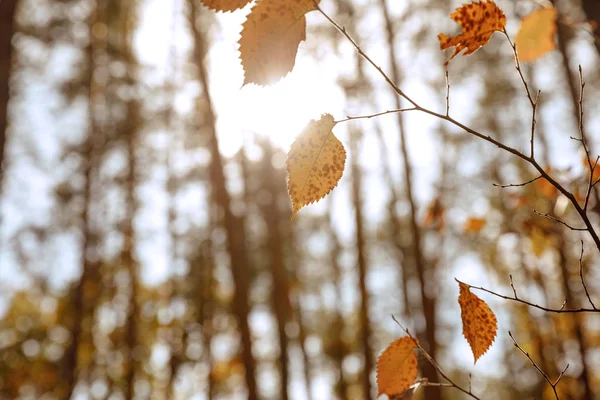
[397, 368]
[536, 35]
[225, 5]
[478, 20]
[479, 322]
[474, 225]
[315, 163]
[270, 39]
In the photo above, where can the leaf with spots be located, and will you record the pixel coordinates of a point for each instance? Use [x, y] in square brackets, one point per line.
[397, 368]
[474, 225]
[479, 322]
[536, 35]
[270, 39]
[478, 20]
[315, 163]
[225, 5]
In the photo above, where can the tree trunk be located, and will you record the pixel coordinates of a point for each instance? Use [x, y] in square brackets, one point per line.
[427, 337]
[234, 226]
[591, 8]
[7, 29]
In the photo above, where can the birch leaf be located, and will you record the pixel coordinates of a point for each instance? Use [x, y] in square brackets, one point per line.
[315, 163]
[225, 5]
[397, 368]
[478, 20]
[270, 39]
[479, 322]
[536, 35]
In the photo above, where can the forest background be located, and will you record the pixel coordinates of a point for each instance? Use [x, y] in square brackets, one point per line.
[146, 248]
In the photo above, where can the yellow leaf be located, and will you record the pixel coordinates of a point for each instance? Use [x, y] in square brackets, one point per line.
[397, 368]
[536, 36]
[270, 39]
[479, 322]
[315, 163]
[474, 224]
[225, 5]
[478, 20]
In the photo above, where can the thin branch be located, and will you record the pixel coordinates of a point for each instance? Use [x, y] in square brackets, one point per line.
[351, 118]
[517, 299]
[546, 378]
[550, 217]
[435, 364]
[587, 293]
[447, 94]
[518, 184]
[582, 213]
[518, 67]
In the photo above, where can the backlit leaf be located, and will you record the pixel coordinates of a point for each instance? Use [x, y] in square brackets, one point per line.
[536, 36]
[225, 5]
[478, 20]
[397, 368]
[315, 163]
[270, 39]
[474, 224]
[479, 322]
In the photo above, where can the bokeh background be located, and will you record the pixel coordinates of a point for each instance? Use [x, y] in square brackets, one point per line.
[146, 248]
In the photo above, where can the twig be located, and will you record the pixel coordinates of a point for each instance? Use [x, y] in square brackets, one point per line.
[517, 184]
[550, 217]
[587, 293]
[531, 160]
[351, 118]
[530, 304]
[435, 364]
[447, 94]
[546, 378]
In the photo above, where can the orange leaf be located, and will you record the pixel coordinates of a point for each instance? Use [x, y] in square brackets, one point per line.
[478, 20]
[479, 322]
[536, 36]
[397, 367]
[225, 5]
[270, 39]
[474, 224]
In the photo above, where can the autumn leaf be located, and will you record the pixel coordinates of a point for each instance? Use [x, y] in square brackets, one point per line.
[536, 35]
[474, 225]
[397, 368]
[270, 39]
[479, 322]
[225, 5]
[478, 20]
[435, 215]
[315, 163]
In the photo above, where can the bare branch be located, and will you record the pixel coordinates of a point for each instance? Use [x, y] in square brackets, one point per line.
[550, 217]
[517, 184]
[546, 378]
[351, 118]
[587, 293]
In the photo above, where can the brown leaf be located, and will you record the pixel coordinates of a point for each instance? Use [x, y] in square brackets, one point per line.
[397, 368]
[435, 215]
[225, 5]
[478, 20]
[479, 322]
[270, 39]
[536, 35]
[315, 163]
[474, 225]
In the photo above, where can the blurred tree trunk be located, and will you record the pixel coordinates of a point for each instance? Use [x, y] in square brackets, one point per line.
[234, 225]
[280, 291]
[7, 28]
[422, 269]
[85, 292]
[591, 8]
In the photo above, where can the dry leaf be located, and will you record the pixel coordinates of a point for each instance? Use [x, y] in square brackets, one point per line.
[478, 20]
[536, 36]
[435, 215]
[225, 5]
[270, 39]
[315, 163]
[474, 224]
[479, 322]
[397, 368]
